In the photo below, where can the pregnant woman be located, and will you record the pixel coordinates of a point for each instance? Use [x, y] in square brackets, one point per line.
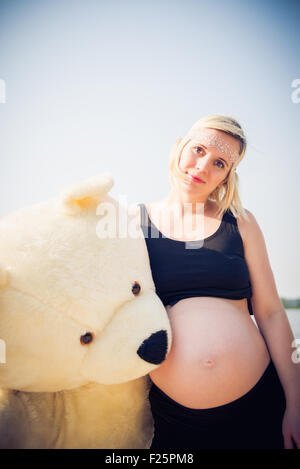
[227, 382]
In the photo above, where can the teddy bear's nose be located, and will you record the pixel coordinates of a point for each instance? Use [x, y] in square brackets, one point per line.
[154, 349]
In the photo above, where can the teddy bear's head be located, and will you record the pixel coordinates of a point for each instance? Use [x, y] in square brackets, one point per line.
[77, 299]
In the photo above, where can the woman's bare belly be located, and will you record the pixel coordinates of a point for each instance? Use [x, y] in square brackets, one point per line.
[217, 353]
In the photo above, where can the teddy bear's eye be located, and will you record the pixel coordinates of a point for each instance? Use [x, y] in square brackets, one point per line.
[86, 338]
[136, 288]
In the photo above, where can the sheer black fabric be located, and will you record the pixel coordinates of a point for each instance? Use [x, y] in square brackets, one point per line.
[215, 266]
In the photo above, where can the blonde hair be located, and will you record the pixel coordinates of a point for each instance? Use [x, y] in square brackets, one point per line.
[226, 196]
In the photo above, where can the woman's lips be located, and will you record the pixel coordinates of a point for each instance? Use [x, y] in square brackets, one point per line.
[196, 179]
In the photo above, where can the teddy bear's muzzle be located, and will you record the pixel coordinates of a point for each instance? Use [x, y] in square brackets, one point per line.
[154, 349]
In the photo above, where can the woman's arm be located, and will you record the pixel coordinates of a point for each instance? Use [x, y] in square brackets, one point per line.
[273, 323]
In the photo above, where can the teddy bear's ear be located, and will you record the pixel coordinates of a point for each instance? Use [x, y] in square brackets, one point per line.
[83, 195]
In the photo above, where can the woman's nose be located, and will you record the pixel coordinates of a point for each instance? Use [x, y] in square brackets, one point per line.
[202, 164]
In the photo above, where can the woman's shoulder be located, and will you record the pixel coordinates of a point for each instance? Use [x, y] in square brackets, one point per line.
[248, 226]
[247, 218]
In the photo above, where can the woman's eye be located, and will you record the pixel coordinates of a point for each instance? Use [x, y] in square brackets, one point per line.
[220, 163]
[199, 149]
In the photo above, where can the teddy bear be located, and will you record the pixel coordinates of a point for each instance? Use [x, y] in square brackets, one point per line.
[81, 325]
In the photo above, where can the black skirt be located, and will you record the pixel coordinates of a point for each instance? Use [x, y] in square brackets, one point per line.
[253, 421]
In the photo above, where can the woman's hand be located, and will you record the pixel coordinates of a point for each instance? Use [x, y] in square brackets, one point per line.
[291, 426]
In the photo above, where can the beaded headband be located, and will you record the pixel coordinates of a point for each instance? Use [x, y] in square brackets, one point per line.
[215, 141]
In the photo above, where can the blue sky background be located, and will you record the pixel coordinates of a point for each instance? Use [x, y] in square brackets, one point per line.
[96, 86]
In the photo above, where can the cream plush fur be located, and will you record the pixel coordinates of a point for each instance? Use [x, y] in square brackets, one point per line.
[59, 280]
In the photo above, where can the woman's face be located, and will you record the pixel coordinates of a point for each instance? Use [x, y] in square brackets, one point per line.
[208, 156]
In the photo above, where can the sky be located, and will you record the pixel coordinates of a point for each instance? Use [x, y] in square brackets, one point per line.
[92, 86]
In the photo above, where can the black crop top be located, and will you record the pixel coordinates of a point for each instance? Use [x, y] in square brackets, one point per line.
[214, 266]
